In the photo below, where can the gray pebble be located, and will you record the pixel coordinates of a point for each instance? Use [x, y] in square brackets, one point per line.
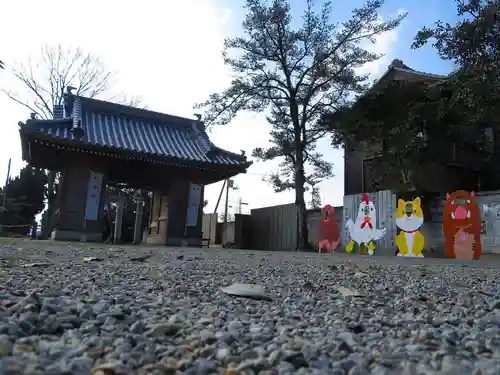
[169, 315]
[223, 353]
[80, 365]
[137, 327]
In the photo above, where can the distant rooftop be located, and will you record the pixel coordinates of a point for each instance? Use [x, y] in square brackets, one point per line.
[399, 65]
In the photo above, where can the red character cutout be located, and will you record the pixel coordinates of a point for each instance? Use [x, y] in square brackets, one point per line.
[462, 225]
[329, 233]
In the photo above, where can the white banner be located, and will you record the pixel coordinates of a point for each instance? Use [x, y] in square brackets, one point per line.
[93, 196]
[193, 205]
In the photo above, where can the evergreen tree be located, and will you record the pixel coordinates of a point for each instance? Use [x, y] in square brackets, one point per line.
[473, 45]
[296, 75]
[25, 197]
[315, 197]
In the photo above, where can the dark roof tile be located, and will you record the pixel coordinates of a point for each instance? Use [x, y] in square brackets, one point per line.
[119, 127]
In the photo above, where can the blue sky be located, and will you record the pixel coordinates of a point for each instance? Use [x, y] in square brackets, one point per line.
[420, 13]
[171, 57]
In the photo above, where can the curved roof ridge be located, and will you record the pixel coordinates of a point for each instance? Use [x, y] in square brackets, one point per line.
[133, 112]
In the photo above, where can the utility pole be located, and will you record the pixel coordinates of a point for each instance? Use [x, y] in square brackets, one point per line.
[215, 212]
[229, 184]
[241, 203]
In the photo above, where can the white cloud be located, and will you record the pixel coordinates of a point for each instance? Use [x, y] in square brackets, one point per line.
[226, 15]
[383, 45]
[168, 52]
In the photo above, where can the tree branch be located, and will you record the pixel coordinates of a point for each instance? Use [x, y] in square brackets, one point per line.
[26, 105]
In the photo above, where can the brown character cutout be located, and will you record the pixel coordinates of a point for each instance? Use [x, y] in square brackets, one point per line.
[462, 226]
[329, 232]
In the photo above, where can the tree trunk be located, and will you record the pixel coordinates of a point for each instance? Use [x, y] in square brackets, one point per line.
[303, 231]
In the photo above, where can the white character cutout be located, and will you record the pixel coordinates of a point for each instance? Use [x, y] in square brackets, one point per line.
[364, 231]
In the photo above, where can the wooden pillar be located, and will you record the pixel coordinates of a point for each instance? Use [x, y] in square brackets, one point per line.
[119, 217]
[80, 210]
[138, 220]
[181, 228]
[177, 210]
[158, 222]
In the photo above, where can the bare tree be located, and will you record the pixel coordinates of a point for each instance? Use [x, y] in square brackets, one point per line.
[43, 81]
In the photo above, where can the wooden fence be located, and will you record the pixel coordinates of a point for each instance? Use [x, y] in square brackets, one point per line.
[208, 226]
[275, 228]
[227, 235]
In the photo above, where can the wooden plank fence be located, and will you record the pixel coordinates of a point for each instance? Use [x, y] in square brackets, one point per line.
[274, 228]
[208, 226]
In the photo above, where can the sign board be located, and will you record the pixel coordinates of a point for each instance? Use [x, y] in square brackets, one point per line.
[93, 196]
[193, 205]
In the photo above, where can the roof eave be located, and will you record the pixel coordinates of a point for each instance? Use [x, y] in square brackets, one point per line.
[25, 147]
[238, 157]
[31, 123]
[435, 77]
[232, 172]
[33, 134]
[421, 74]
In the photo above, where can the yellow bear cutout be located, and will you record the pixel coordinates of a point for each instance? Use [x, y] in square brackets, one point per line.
[409, 219]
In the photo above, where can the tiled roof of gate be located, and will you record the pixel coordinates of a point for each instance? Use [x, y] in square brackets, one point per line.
[117, 127]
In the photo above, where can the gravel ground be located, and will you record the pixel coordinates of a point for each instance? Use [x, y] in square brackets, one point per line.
[167, 314]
